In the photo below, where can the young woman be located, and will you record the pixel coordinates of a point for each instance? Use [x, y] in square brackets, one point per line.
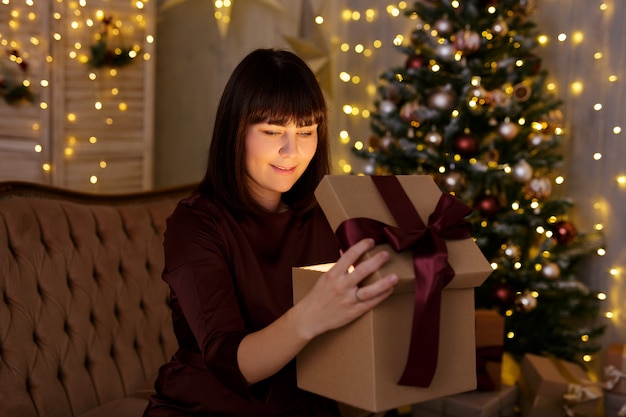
[230, 247]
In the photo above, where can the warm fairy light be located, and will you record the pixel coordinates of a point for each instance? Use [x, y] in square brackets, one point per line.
[559, 180]
[597, 156]
[358, 145]
[608, 315]
[587, 358]
[621, 180]
[601, 296]
[617, 130]
[319, 20]
[542, 39]
[578, 37]
[601, 252]
[38, 148]
[562, 37]
[614, 272]
[93, 179]
[577, 87]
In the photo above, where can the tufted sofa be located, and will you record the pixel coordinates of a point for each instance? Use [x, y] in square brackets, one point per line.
[84, 320]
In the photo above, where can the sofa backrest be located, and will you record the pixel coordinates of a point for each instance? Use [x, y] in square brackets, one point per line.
[84, 317]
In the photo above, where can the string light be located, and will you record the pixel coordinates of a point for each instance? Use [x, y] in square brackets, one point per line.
[77, 23]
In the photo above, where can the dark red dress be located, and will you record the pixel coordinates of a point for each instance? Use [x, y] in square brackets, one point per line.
[231, 275]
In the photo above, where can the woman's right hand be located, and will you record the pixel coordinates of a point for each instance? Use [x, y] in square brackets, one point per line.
[337, 298]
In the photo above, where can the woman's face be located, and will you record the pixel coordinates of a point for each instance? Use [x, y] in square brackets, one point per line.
[276, 157]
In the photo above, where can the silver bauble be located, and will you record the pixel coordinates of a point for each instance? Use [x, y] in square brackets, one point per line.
[522, 171]
[443, 25]
[433, 138]
[446, 51]
[525, 302]
[551, 270]
[386, 107]
[508, 129]
[442, 99]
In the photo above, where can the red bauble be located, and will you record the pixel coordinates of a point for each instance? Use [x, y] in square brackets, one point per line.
[487, 205]
[415, 62]
[502, 295]
[564, 232]
[465, 145]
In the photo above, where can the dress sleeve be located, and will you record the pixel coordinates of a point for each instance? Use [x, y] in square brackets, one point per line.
[196, 269]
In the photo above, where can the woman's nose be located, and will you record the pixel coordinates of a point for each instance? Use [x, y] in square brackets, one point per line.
[289, 146]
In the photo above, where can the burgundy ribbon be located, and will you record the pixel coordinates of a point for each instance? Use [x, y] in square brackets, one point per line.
[485, 354]
[430, 261]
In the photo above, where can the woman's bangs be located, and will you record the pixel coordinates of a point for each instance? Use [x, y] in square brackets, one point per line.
[287, 101]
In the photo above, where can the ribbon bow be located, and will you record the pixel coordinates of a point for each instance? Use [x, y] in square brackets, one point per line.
[576, 394]
[430, 262]
[613, 376]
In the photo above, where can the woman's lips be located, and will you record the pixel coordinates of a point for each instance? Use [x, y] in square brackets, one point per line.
[284, 170]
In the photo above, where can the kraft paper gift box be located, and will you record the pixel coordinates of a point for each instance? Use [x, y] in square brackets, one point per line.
[551, 387]
[361, 364]
[489, 349]
[615, 368]
[499, 403]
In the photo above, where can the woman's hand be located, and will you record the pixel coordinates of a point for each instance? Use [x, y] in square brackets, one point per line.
[337, 299]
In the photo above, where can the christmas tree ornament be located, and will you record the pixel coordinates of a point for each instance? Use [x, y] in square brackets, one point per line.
[536, 139]
[508, 130]
[467, 41]
[512, 251]
[521, 92]
[445, 51]
[415, 62]
[525, 302]
[500, 28]
[465, 145]
[433, 138]
[564, 232]
[498, 98]
[502, 295]
[487, 206]
[386, 107]
[408, 111]
[393, 93]
[443, 26]
[550, 270]
[452, 182]
[538, 188]
[492, 156]
[370, 167]
[522, 171]
[387, 142]
[443, 99]
[554, 120]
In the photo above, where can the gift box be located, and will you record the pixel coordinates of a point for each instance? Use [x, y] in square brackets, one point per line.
[552, 387]
[615, 368]
[489, 349]
[614, 405]
[371, 363]
[498, 403]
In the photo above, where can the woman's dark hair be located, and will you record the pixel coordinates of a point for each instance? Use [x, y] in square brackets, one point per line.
[267, 85]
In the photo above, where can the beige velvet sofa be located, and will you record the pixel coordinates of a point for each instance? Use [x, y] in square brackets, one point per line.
[84, 316]
[84, 320]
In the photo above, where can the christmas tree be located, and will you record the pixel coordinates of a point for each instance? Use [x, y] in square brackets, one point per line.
[472, 107]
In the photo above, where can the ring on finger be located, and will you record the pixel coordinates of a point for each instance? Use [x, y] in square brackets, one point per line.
[356, 295]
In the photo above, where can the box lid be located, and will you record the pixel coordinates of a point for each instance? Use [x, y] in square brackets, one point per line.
[343, 197]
